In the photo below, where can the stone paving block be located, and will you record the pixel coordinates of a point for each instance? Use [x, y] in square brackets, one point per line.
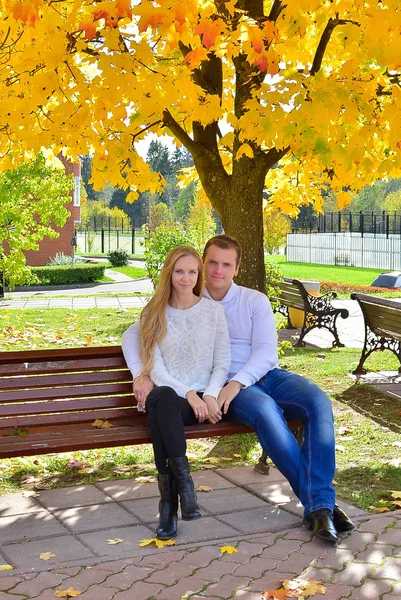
[202, 556]
[70, 497]
[212, 479]
[295, 563]
[89, 518]
[66, 548]
[17, 504]
[281, 549]
[227, 500]
[336, 560]
[391, 536]
[126, 577]
[191, 585]
[338, 592]
[9, 582]
[160, 560]
[88, 576]
[32, 525]
[372, 590]
[352, 511]
[216, 569]
[278, 493]
[128, 489]
[248, 475]
[377, 525]
[203, 530]
[374, 554]
[324, 575]
[5, 596]
[269, 581]
[226, 587]
[173, 573]
[267, 518]
[301, 534]
[256, 567]
[37, 585]
[353, 574]
[247, 550]
[98, 593]
[132, 535]
[356, 541]
[390, 570]
[147, 509]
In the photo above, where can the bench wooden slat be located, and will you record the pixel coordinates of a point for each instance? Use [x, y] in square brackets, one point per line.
[10, 369]
[61, 393]
[83, 404]
[59, 379]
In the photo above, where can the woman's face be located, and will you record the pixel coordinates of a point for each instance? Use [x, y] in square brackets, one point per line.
[185, 275]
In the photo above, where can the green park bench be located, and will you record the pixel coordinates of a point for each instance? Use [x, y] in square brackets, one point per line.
[315, 311]
[382, 318]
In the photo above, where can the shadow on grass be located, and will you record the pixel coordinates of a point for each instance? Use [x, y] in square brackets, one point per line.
[376, 405]
[368, 486]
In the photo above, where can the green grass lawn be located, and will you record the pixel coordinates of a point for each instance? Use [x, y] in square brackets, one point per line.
[336, 274]
[367, 422]
[134, 272]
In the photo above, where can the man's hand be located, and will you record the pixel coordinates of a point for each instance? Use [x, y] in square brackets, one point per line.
[227, 395]
[142, 387]
[213, 408]
[198, 406]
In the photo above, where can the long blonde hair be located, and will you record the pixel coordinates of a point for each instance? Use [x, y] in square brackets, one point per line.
[153, 317]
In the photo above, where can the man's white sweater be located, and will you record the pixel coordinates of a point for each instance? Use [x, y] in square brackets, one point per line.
[252, 331]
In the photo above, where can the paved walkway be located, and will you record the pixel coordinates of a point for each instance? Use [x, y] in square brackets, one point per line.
[256, 514]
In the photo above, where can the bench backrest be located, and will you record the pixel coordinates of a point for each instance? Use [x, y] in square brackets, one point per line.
[75, 386]
[291, 293]
[383, 316]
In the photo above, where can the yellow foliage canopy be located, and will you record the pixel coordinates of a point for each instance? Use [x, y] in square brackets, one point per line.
[313, 84]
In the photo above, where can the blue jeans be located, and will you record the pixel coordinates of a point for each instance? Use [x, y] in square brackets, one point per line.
[266, 406]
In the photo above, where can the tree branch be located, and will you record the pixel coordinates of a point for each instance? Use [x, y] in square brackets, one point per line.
[135, 135]
[324, 40]
[276, 10]
[180, 133]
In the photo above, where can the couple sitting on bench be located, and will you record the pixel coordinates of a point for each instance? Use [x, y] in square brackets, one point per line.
[179, 355]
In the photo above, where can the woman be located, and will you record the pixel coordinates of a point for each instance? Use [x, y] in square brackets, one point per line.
[185, 350]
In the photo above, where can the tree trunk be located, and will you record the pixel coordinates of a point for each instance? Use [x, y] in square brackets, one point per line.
[243, 219]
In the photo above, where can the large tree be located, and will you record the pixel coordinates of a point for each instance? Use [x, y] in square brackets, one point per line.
[243, 85]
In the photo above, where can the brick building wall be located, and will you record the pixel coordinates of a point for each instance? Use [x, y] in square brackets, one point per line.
[49, 248]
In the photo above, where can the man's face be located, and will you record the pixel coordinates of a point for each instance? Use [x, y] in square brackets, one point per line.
[220, 266]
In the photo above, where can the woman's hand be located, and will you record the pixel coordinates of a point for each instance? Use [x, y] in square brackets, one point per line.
[213, 408]
[198, 406]
[142, 387]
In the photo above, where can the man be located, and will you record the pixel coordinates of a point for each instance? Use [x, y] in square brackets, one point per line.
[262, 395]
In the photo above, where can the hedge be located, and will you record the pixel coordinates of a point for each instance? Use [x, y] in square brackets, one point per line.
[67, 275]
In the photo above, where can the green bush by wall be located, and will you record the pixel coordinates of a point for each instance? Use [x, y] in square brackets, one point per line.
[67, 275]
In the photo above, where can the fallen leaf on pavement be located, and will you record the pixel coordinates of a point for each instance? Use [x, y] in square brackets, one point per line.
[87, 470]
[395, 494]
[158, 543]
[145, 479]
[68, 593]
[46, 555]
[115, 541]
[211, 459]
[228, 550]
[30, 494]
[376, 509]
[304, 587]
[6, 567]
[204, 488]
[344, 430]
[275, 595]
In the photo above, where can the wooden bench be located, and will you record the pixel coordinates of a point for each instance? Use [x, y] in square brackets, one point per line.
[318, 311]
[382, 319]
[50, 400]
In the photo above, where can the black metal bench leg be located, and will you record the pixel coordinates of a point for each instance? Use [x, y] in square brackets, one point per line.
[262, 466]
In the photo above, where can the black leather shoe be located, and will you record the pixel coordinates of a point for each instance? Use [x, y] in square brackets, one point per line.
[168, 506]
[321, 522]
[185, 487]
[341, 521]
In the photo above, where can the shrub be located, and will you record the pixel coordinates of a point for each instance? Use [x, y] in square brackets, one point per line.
[118, 258]
[64, 259]
[68, 275]
[158, 244]
[348, 288]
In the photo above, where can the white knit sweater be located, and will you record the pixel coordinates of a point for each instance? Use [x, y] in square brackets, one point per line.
[195, 353]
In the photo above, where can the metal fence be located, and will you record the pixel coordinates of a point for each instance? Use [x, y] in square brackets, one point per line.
[379, 251]
[104, 234]
[375, 222]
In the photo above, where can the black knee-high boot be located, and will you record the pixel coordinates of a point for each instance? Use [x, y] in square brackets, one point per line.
[185, 487]
[168, 506]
